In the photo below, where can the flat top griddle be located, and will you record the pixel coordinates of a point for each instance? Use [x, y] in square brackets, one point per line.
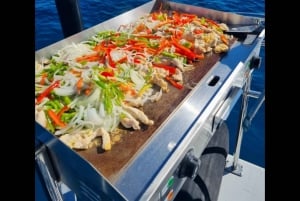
[127, 159]
[111, 163]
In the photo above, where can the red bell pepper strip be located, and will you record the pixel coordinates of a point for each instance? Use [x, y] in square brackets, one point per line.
[151, 36]
[213, 22]
[47, 91]
[224, 39]
[122, 60]
[90, 57]
[56, 119]
[198, 31]
[184, 50]
[127, 88]
[43, 78]
[88, 90]
[163, 44]
[171, 69]
[176, 17]
[174, 83]
[137, 60]
[107, 73]
[110, 60]
[62, 110]
[75, 72]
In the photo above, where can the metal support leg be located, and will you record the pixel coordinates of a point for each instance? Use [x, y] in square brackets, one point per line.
[245, 121]
[251, 114]
[237, 168]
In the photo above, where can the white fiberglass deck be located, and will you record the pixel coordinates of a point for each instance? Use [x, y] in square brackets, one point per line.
[248, 187]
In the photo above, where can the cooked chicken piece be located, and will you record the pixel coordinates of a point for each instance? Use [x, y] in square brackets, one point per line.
[40, 117]
[138, 114]
[156, 79]
[161, 72]
[221, 48]
[211, 39]
[38, 67]
[156, 96]
[189, 36]
[80, 140]
[106, 142]
[178, 63]
[134, 101]
[41, 64]
[201, 47]
[178, 76]
[205, 29]
[130, 122]
[224, 27]
[142, 69]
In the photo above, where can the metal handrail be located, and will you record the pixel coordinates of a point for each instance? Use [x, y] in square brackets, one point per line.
[246, 119]
[244, 124]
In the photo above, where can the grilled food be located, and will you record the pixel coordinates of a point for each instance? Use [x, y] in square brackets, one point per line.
[87, 90]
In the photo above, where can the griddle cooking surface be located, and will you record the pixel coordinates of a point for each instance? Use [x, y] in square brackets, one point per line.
[111, 163]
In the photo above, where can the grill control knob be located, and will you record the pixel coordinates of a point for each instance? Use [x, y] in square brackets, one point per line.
[189, 166]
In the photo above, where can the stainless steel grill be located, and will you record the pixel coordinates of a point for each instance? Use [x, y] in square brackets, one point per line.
[149, 171]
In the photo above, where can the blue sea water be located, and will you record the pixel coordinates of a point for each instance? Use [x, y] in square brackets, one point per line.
[48, 30]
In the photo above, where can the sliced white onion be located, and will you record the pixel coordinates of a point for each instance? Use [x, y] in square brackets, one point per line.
[38, 67]
[137, 79]
[111, 121]
[65, 91]
[117, 54]
[93, 100]
[102, 112]
[92, 116]
[75, 120]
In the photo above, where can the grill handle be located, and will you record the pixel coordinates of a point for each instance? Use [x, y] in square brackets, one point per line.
[226, 107]
[232, 90]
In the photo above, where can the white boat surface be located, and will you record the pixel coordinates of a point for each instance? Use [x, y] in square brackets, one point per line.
[250, 186]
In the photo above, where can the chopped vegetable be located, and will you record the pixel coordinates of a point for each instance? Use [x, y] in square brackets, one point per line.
[47, 92]
[87, 89]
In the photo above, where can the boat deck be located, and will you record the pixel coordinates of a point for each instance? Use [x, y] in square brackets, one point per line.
[248, 187]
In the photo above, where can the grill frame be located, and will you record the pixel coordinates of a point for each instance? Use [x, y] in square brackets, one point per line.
[196, 113]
